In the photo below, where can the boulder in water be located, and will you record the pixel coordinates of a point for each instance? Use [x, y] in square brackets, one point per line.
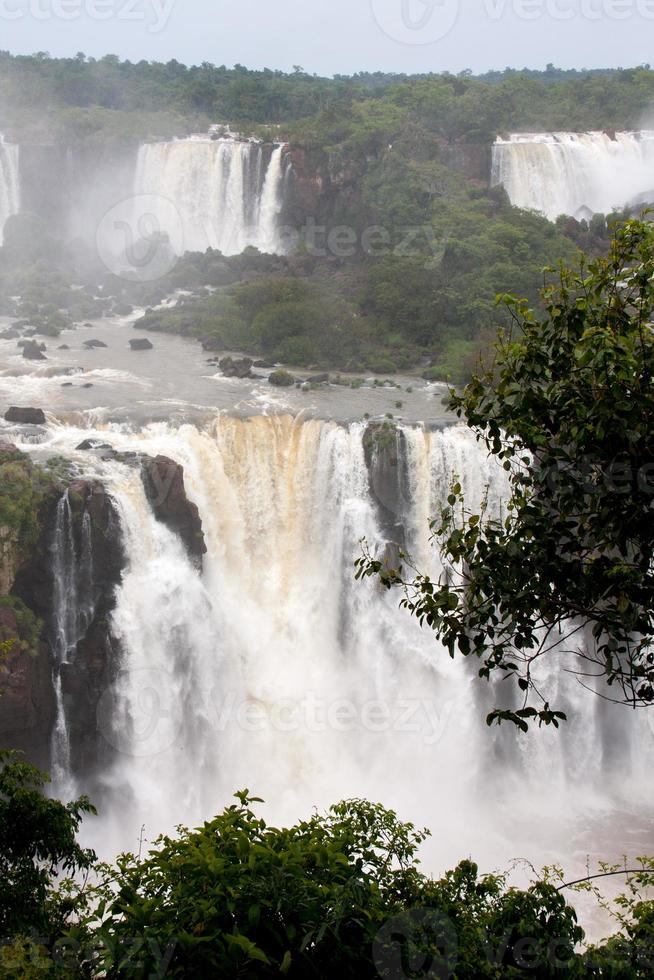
[281, 379]
[236, 367]
[318, 379]
[25, 416]
[264, 363]
[94, 343]
[141, 343]
[63, 347]
[33, 351]
[90, 444]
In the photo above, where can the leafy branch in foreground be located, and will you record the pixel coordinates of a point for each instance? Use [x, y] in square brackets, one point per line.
[568, 410]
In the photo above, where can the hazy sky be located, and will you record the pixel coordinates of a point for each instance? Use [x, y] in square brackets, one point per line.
[340, 36]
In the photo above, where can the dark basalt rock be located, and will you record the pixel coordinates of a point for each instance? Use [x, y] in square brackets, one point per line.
[163, 480]
[88, 384]
[318, 379]
[94, 343]
[28, 705]
[33, 351]
[25, 416]
[385, 455]
[63, 347]
[95, 662]
[141, 343]
[90, 444]
[236, 367]
[263, 363]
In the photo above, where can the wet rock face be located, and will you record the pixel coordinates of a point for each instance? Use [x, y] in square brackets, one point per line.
[27, 703]
[92, 665]
[236, 367]
[141, 343]
[163, 480]
[385, 454]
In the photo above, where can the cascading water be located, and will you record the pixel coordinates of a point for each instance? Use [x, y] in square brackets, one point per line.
[272, 669]
[72, 572]
[213, 193]
[575, 173]
[9, 182]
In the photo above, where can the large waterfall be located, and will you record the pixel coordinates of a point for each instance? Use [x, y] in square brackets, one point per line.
[214, 193]
[72, 575]
[273, 669]
[575, 173]
[9, 182]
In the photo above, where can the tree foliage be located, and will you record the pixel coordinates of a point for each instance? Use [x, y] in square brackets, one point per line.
[568, 411]
[38, 841]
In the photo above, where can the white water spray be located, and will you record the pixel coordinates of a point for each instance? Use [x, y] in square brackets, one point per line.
[274, 670]
[220, 189]
[9, 182]
[575, 173]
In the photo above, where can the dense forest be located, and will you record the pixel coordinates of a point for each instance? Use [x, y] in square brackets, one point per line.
[407, 239]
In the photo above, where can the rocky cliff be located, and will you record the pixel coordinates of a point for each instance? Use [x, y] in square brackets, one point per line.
[32, 501]
[27, 705]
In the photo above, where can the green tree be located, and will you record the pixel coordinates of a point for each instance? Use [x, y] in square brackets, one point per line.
[338, 895]
[568, 411]
[38, 842]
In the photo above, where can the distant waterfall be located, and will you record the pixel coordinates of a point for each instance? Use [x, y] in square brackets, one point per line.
[72, 571]
[273, 669]
[9, 182]
[214, 193]
[575, 173]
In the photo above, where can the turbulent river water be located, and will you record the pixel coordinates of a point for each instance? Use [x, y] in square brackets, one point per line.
[272, 668]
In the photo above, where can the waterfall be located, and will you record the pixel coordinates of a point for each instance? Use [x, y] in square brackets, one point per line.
[273, 669]
[575, 173]
[9, 182]
[208, 193]
[72, 605]
[271, 203]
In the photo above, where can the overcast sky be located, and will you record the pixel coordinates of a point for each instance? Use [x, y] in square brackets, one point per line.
[340, 36]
